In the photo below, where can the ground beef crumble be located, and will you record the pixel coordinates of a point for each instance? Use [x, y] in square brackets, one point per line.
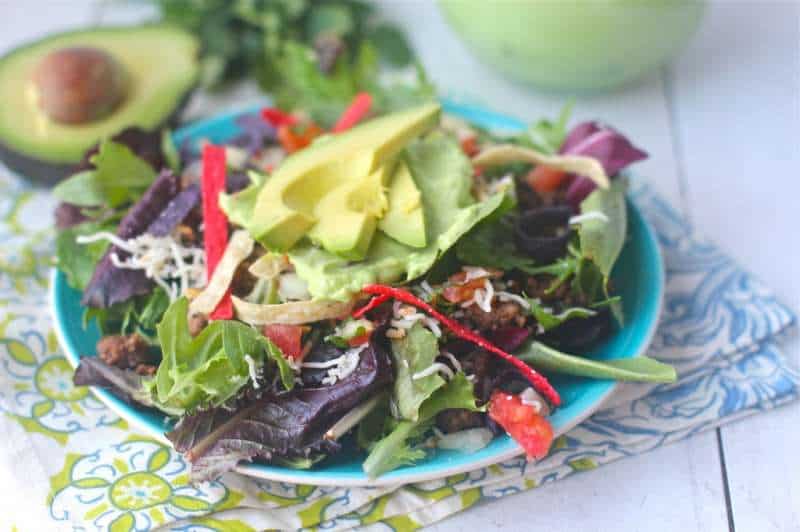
[503, 314]
[127, 352]
[457, 419]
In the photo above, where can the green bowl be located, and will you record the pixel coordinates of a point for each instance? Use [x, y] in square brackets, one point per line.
[575, 45]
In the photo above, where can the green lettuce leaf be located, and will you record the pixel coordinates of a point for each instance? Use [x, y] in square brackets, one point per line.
[416, 351]
[397, 449]
[491, 244]
[140, 315]
[601, 241]
[78, 261]
[549, 320]
[210, 368]
[118, 177]
[443, 174]
[640, 368]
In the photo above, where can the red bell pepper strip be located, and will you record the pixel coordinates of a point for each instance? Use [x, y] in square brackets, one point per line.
[539, 382]
[373, 303]
[215, 232]
[522, 422]
[277, 118]
[356, 112]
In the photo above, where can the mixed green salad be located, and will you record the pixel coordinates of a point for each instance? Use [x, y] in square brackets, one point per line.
[397, 283]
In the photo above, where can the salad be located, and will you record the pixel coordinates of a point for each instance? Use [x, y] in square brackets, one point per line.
[398, 283]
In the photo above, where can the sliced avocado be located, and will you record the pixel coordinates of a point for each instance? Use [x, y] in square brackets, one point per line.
[405, 219]
[59, 96]
[348, 215]
[285, 209]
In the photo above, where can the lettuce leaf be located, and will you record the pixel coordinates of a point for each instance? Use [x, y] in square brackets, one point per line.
[640, 369]
[443, 174]
[396, 448]
[124, 383]
[210, 368]
[550, 320]
[118, 177]
[287, 425]
[601, 240]
[413, 353]
[78, 261]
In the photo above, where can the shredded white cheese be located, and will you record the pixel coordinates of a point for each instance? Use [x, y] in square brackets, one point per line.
[516, 298]
[340, 367]
[434, 368]
[474, 272]
[592, 215]
[405, 317]
[500, 185]
[531, 397]
[426, 287]
[482, 297]
[251, 368]
[169, 264]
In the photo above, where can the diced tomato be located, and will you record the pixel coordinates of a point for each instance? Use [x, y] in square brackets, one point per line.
[469, 146]
[463, 292]
[288, 338]
[545, 179]
[528, 428]
[292, 141]
[355, 341]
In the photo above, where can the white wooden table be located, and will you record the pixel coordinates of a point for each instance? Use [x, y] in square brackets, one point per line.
[722, 125]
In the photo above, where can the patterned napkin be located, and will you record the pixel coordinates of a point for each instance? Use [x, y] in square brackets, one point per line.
[78, 466]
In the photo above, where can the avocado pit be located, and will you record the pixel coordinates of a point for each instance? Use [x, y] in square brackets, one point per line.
[78, 85]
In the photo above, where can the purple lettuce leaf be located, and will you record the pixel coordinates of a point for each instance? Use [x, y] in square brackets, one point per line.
[611, 148]
[124, 383]
[110, 285]
[289, 425]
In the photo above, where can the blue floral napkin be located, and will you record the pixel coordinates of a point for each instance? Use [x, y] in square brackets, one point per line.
[80, 466]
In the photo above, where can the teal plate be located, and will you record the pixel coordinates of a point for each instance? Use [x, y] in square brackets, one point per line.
[638, 278]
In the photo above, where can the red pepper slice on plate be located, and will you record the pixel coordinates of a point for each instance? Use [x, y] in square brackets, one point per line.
[215, 223]
[373, 303]
[288, 338]
[539, 382]
[523, 423]
[277, 118]
[354, 113]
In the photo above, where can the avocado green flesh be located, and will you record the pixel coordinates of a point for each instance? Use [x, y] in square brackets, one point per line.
[294, 202]
[160, 61]
[405, 219]
[348, 216]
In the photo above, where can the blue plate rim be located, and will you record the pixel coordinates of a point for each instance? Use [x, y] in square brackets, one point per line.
[416, 473]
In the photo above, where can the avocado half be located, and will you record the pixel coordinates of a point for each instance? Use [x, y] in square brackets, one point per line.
[160, 68]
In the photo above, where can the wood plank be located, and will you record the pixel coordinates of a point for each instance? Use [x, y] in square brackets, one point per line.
[737, 92]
